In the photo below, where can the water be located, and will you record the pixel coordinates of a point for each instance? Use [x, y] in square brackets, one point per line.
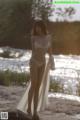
[67, 67]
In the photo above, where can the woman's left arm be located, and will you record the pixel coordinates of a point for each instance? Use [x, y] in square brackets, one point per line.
[51, 58]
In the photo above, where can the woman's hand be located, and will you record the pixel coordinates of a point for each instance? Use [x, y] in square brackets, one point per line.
[52, 64]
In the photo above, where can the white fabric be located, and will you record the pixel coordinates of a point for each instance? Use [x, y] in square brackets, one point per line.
[43, 94]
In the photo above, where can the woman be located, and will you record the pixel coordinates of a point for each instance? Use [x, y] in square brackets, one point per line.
[41, 44]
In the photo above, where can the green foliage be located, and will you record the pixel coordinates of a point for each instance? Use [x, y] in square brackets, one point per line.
[56, 86]
[13, 78]
[65, 13]
[41, 9]
[78, 89]
[5, 54]
[15, 22]
[10, 54]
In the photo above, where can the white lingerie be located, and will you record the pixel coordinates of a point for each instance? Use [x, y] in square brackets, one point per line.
[40, 45]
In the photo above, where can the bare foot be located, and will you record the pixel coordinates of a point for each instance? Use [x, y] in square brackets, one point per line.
[35, 117]
[29, 112]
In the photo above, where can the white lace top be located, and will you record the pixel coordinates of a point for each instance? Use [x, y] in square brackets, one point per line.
[40, 45]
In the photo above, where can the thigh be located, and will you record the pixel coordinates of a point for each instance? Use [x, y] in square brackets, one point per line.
[40, 74]
[33, 73]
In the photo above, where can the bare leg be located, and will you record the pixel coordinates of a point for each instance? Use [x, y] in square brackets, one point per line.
[30, 96]
[36, 95]
[33, 74]
[38, 83]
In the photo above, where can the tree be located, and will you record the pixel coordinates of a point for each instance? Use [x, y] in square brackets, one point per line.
[16, 18]
[15, 23]
[65, 14]
[42, 9]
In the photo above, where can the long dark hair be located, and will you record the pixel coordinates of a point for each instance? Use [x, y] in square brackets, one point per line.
[42, 25]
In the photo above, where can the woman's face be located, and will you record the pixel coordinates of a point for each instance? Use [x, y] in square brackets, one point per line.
[38, 29]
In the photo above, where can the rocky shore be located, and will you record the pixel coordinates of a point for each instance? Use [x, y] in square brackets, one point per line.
[57, 108]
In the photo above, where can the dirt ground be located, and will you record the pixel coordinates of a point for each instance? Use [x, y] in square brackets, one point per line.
[61, 109]
[57, 109]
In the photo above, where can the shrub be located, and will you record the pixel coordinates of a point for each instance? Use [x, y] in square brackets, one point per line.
[78, 89]
[5, 54]
[13, 78]
[56, 86]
